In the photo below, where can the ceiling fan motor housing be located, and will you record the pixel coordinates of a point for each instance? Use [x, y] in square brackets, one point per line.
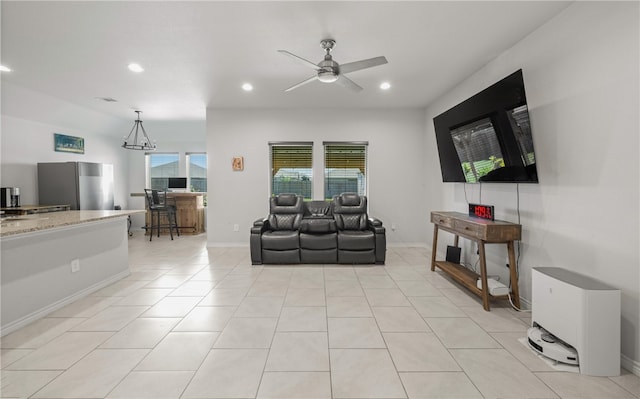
[328, 70]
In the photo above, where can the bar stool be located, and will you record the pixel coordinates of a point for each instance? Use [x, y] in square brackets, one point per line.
[157, 203]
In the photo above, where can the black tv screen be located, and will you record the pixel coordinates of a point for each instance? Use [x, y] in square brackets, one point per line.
[487, 138]
[177, 183]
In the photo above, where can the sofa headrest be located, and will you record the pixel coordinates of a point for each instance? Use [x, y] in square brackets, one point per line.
[349, 199]
[286, 199]
[285, 204]
[349, 203]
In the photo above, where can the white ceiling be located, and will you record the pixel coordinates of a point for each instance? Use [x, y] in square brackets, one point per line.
[198, 54]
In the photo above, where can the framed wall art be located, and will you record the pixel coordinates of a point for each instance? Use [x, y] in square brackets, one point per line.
[238, 164]
[64, 143]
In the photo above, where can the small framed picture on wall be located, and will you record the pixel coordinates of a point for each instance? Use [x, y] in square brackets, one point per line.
[238, 164]
[64, 143]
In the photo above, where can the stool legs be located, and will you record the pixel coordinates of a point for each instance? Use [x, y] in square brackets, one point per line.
[155, 222]
[151, 229]
[171, 224]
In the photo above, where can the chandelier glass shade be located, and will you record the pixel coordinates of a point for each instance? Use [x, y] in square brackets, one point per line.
[138, 138]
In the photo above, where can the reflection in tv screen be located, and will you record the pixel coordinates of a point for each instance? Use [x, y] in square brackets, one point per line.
[487, 138]
[479, 150]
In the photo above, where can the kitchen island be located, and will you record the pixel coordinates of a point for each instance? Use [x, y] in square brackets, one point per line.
[190, 213]
[50, 260]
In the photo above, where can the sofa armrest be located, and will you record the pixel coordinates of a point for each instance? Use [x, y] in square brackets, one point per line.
[375, 222]
[260, 226]
[381, 239]
[376, 225]
[255, 240]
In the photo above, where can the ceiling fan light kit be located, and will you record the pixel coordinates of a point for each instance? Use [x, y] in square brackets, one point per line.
[329, 71]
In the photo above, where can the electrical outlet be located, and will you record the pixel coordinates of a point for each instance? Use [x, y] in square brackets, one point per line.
[393, 226]
[75, 265]
[236, 227]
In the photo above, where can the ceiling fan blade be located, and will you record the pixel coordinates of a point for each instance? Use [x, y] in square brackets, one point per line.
[348, 83]
[362, 64]
[300, 60]
[304, 82]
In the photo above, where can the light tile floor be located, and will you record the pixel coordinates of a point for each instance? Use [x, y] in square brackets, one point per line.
[192, 322]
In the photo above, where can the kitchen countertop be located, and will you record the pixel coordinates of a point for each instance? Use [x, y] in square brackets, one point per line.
[10, 226]
[174, 194]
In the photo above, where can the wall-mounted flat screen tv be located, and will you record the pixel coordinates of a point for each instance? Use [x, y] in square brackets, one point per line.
[487, 138]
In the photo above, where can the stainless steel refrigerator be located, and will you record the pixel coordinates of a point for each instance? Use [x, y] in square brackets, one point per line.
[82, 185]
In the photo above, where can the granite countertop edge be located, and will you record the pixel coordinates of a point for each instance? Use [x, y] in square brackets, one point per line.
[12, 226]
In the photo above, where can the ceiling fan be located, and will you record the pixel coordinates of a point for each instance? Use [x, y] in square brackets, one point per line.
[329, 71]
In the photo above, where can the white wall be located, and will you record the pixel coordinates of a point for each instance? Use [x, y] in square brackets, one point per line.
[581, 77]
[25, 143]
[396, 165]
[29, 120]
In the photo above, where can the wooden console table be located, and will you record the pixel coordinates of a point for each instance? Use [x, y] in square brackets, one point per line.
[482, 232]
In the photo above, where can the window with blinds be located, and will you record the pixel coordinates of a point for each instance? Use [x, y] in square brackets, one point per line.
[345, 168]
[292, 168]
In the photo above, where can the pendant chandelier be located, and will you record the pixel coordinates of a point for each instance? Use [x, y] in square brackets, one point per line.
[137, 138]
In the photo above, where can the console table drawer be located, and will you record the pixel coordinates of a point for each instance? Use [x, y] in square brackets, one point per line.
[469, 228]
[441, 220]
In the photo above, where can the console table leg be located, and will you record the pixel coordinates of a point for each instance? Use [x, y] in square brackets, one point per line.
[434, 247]
[483, 276]
[515, 292]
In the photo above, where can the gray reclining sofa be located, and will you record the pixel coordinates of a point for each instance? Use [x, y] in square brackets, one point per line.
[337, 231]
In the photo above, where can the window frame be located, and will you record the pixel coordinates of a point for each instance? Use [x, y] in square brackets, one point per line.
[149, 155]
[364, 145]
[307, 144]
[188, 168]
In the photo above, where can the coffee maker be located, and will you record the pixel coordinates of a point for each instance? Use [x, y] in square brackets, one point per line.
[10, 197]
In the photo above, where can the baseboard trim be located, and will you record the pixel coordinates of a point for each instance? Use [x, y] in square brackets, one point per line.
[525, 304]
[227, 245]
[630, 365]
[406, 244]
[42, 312]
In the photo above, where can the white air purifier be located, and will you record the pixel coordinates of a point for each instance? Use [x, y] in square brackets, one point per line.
[582, 312]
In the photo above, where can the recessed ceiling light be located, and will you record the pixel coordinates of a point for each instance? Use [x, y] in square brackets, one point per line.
[135, 67]
[385, 85]
[4, 68]
[247, 87]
